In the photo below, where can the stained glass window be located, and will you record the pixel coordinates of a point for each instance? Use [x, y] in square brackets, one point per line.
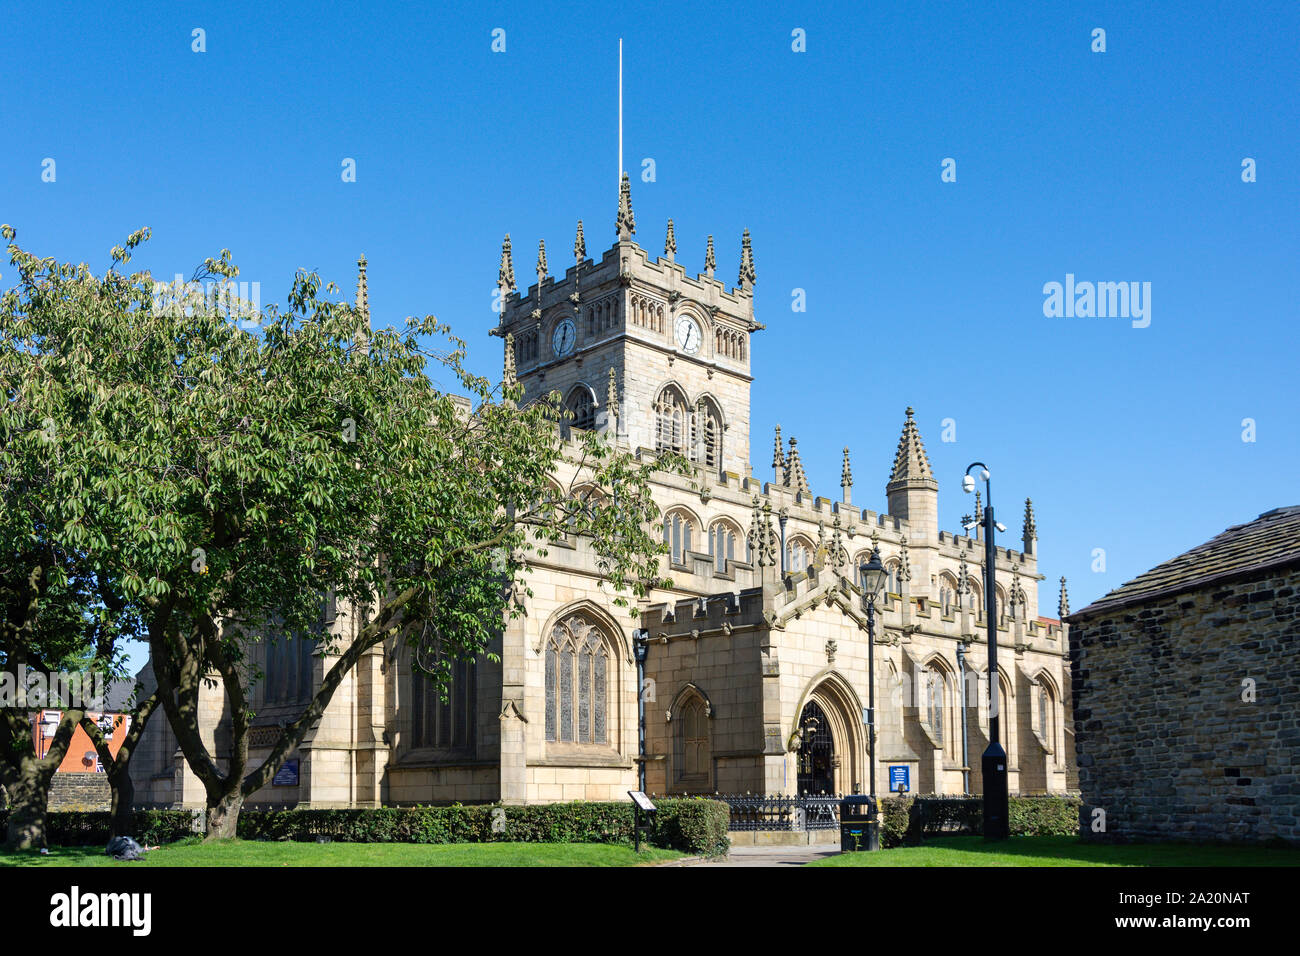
[576, 703]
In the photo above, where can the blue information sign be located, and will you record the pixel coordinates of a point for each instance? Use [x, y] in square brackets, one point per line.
[900, 779]
[287, 775]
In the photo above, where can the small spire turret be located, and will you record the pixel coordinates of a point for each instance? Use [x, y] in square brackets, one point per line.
[670, 243]
[506, 274]
[626, 222]
[710, 260]
[579, 245]
[747, 274]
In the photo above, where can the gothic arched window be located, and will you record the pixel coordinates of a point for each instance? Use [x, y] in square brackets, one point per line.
[678, 532]
[672, 421]
[581, 404]
[722, 543]
[444, 724]
[799, 554]
[935, 691]
[578, 670]
[709, 440]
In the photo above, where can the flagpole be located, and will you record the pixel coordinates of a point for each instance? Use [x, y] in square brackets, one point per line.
[620, 111]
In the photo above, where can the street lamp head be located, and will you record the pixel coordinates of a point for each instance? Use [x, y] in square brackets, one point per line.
[968, 484]
[640, 644]
[1000, 526]
[984, 474]
[873, 575]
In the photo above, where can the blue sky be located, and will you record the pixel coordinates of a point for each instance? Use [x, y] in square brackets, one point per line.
[1115, 166]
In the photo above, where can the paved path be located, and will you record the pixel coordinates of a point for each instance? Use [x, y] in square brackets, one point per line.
[764, 856]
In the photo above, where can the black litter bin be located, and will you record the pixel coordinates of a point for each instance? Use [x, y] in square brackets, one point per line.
[859, 826]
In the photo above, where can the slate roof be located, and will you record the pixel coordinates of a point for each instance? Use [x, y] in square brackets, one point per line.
[1271, 540]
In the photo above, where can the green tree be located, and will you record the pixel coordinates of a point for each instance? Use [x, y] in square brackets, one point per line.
[227, 479]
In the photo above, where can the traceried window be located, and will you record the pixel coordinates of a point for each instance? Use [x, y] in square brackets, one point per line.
[290, 660]
[892, 581]
[948, 594]
[934, 701]
[578, 671]
[799, 554]
[444, 724]
[723, 538]
[672, 422]
[1046, 712]
[708, 422]
[581, 404]
[678, 530]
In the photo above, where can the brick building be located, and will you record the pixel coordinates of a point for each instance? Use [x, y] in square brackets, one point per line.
[1187, 692]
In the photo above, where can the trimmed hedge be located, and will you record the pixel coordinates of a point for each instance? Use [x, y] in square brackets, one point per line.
[689, 825]
[912, 819]
[91, 828]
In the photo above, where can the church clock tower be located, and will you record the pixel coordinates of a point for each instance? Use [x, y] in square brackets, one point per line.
[678, 345]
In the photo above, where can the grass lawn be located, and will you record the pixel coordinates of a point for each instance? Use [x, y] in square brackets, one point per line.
[253, 853]
[1063, 851]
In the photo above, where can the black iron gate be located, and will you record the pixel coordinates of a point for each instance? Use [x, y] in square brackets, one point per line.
[816, 751]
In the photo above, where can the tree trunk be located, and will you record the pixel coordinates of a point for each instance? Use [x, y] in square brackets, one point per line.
[223, 814]
[28, 798]
[123, 806]
[27, 778]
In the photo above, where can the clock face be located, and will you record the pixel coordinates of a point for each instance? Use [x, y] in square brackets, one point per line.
[563, 337]
[688, 335]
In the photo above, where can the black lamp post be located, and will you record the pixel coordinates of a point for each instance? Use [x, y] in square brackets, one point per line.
[873, 575]
[994, 764]
[640, 650]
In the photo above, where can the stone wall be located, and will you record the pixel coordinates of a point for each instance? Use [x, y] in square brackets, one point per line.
[80, 791]
[1187, 713]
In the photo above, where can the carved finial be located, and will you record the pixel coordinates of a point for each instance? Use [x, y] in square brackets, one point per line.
[839, 553]
[508, 377]
[798, 480]
[363, 291]
[747, 274]
[778, 459]
[542, 270]
[363, 303]
[755, 536]
[1031, 529]
[905, 570]
[963, 575]
[579, 245]
[626, 223]
[820, 554]
[1063, 605]
[979, 514]
[768, 546]
[670, 243]
[710, 260]
[611, 402]
[846, 478]
[506, 274]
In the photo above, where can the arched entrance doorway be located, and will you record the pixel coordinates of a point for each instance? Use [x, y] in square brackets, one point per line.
[816, 751]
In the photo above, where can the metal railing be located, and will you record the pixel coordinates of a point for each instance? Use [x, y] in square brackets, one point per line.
[750, 811]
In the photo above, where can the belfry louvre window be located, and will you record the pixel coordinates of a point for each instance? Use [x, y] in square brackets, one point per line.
[581, 404]
[449, 724]
[671, 422]
[577, 684]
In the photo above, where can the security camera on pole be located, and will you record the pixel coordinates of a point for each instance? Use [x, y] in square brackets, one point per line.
[996, 826]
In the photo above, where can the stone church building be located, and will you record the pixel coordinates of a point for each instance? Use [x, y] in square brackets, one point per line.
[756, 675]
